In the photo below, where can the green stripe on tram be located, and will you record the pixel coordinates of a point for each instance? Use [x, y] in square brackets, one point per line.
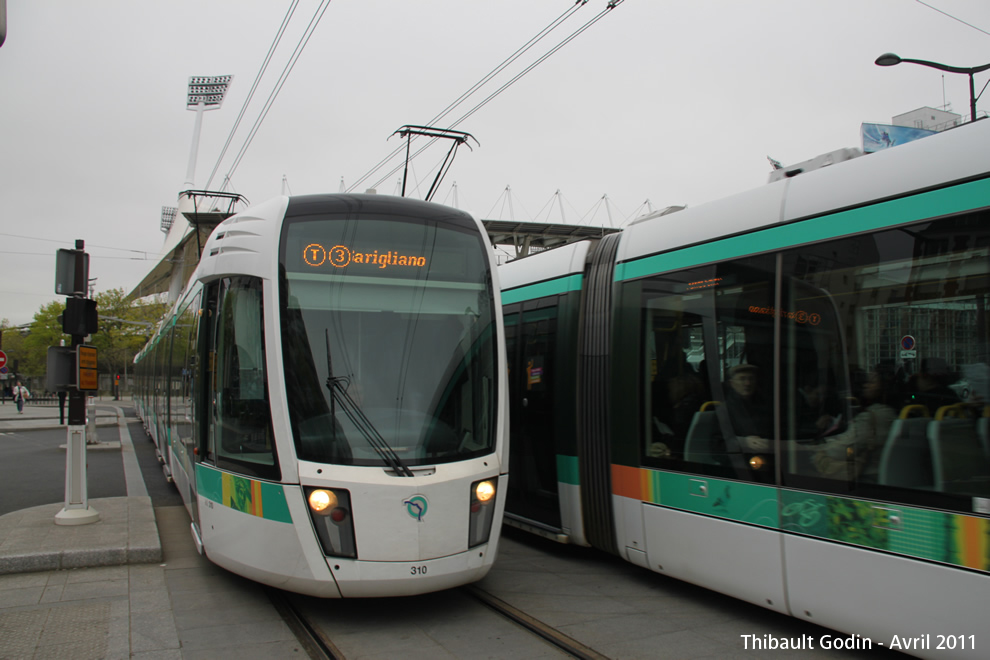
[911, 531]
[553, 287]
[257, 498]
[567, 470]
[932, 204]
[939, 536]
[754, 504]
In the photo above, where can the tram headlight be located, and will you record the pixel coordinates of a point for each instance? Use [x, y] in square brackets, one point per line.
[484, 490]
[482, 511]
[330, 512]
[322, 501]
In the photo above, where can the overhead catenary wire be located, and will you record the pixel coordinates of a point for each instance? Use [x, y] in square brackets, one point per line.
[293, 58]
[471, 90]
[254, 87]
[515, 79]
[574, 35]
[945, 13]
[611, 5]
[92, 256]
[70, 243]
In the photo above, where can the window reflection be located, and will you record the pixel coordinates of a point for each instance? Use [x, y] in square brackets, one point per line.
[878, 343]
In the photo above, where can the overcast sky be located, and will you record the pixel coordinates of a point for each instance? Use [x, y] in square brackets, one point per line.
[671, 102]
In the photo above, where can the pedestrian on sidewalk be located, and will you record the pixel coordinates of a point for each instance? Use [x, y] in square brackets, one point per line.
[21, 395]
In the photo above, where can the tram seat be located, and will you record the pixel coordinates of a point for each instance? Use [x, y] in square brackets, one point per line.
[702, 434]
[959, 461]
[906, 459]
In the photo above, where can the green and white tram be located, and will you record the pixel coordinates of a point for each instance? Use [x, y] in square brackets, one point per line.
[782, 396]
[327, 395]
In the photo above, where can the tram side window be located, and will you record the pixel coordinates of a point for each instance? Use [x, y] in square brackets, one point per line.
[241, 422]
[186, 359]
[707, 369]
[178, 340]
[817, 399]
[912, 304]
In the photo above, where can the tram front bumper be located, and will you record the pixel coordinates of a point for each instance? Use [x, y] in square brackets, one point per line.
[365, 579]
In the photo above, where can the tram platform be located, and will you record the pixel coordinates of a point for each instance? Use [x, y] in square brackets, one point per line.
[125, 531]
[130, 585]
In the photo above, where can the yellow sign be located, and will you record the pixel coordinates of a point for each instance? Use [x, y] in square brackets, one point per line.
[87, 357]
[87, 377]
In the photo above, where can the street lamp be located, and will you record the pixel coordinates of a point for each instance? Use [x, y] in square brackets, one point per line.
[205, 93]
[889, 59]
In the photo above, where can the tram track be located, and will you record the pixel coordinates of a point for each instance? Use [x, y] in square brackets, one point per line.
[567, 644]
[319, 646]
[313, 640]
[538, 602]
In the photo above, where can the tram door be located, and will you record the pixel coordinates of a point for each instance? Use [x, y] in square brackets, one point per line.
[530, 349]
[240, 445]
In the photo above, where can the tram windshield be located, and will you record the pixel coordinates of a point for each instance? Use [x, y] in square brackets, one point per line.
[388, 340]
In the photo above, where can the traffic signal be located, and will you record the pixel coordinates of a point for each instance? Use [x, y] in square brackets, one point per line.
[80, 317]
[69, 281]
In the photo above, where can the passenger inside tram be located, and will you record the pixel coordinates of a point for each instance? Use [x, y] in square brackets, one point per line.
[855, 453]
[747, 408]
[812, 419]
[930, 386]
[683, 396]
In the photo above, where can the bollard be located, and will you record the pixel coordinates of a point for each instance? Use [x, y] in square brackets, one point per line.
[77, 510]
[91, 436]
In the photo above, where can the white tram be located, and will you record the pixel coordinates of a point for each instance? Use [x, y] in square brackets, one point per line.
[781, 396]
[328, 396]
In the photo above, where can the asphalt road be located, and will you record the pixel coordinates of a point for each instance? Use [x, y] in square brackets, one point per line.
[32, 468]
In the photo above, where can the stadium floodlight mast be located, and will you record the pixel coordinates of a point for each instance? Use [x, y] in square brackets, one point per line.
[889, 59]
[205, 93]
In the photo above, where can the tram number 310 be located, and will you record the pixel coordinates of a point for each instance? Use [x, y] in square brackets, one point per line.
[417, 570]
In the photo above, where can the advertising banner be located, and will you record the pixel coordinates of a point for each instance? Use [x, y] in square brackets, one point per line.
[884, 136]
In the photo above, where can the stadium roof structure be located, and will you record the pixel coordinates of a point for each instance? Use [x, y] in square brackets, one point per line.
[524, 236]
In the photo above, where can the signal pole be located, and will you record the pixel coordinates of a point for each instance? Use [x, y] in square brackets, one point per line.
[75, 369]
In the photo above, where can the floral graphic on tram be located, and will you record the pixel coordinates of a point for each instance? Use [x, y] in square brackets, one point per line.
[242, 494]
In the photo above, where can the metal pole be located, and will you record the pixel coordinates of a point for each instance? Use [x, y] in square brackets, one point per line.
[191, 169]
[77, 400]
[77, 510]
[405, 172]
[972, 98]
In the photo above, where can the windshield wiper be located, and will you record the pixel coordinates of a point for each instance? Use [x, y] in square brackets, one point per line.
[339, 395]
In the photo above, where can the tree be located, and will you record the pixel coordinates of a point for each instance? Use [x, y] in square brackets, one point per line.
[125, 327]
[46, 330]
